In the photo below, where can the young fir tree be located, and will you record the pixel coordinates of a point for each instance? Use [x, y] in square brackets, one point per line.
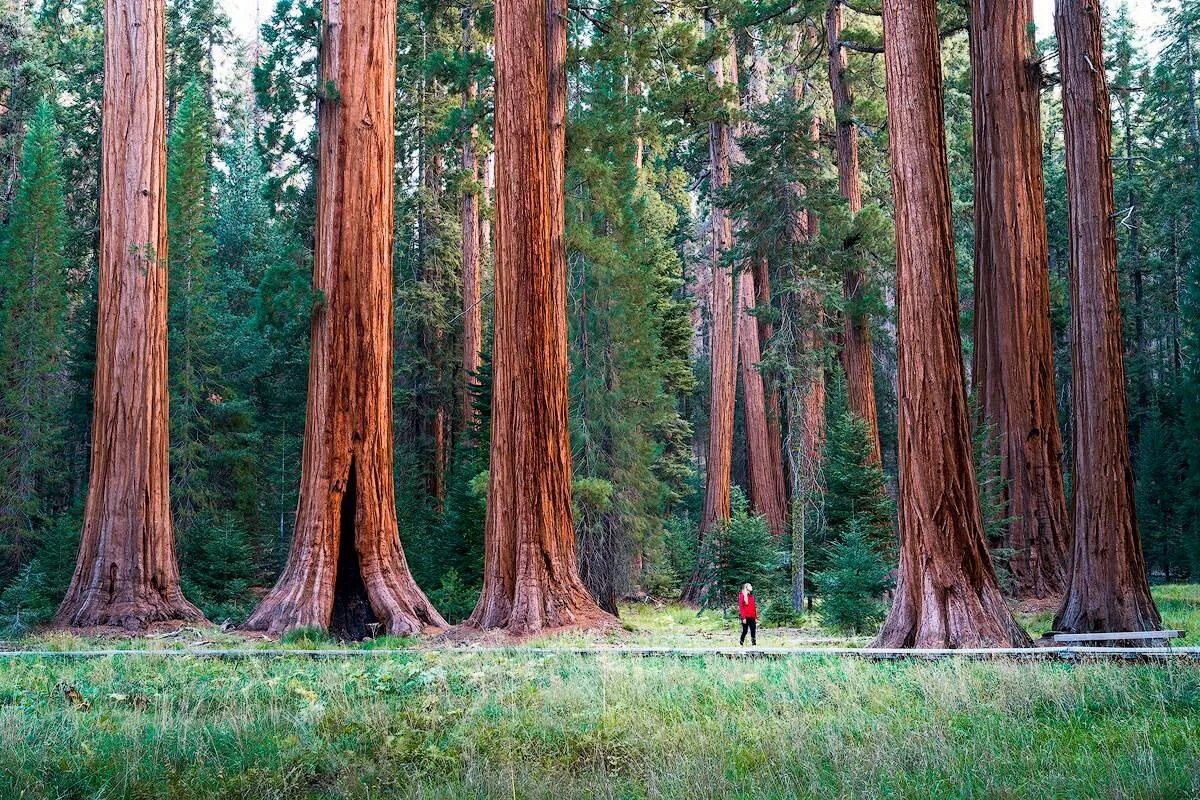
[33, 308]
[852, 582]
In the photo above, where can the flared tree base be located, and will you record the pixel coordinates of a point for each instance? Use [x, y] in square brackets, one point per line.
[393, 606]
[954, 617]
[91, 609]
[534, 610]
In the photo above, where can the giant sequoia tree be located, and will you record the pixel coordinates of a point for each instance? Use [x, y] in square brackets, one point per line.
[126, 573]
[1013, 361]
[723, 344]
[946, 594]
[346, 569]
[531, 576]
[857, 359]
[1107, 588]
[724, 351]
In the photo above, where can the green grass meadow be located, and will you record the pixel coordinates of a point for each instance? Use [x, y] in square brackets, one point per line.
[479, 723]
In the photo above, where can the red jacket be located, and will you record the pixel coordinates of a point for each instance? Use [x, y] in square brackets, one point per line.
[746, 607]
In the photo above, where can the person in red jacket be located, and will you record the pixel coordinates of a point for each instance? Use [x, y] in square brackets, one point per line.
[749, 614]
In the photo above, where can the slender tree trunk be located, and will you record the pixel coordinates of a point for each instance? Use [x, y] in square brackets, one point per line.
[723, 394]
[431, 273]
[531, 576]
[126, 573]
[1107, 588]
[946, 594]
[858, 362]
[1014, 353]
[346, 570]
[486, 222]
[472, 241]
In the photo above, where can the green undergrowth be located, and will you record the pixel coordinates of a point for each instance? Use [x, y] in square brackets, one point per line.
[430, 724]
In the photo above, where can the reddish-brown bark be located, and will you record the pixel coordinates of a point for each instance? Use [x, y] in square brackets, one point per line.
[126, 572]
[858, 362]
[1107, 588]
[764, 456]
[764, 452]
[1013, 366]
[724, 351]
[346, 569]
[472, 242]
[531, 577]
[946, 594]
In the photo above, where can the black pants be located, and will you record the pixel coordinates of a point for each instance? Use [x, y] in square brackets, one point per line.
[752, 626]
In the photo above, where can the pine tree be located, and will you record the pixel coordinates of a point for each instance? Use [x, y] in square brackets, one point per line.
[33, 309]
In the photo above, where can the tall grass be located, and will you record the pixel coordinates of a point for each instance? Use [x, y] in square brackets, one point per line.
[478, 724]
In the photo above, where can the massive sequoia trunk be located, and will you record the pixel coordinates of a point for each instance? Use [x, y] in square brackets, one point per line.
[346, 570]
[531, 576]
[472, 241]
[946, 594]
[858, 362]
[1013, 361]
[1106, 588]
[126, 573]
[723, 362]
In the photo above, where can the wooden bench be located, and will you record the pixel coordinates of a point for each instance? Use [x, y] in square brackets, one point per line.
[1124, 636]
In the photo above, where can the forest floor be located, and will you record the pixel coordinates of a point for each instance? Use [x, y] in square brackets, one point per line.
[468, 723]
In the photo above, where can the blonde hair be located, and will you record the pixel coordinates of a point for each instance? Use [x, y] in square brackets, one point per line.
[746, 587]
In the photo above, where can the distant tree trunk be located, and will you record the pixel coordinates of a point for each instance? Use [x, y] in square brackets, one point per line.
[1107, 588]
[472, 241]
[767, 496]
[431, 275]
[724, 351]
[126, 573]
[946, 594]
[1014, 352]
[858, 362]
[531, 576]
[768, 493]
[346, 570]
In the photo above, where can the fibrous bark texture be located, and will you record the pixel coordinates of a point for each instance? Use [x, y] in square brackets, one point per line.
[1107, 588]
[472, 243]
[346, 570]
[126, 573]
[531, 575]
[946, 594]
[1014, 356]
[858, 362]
